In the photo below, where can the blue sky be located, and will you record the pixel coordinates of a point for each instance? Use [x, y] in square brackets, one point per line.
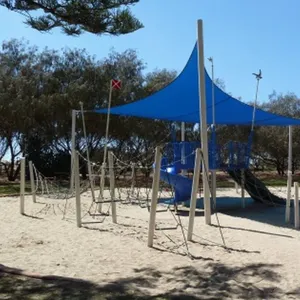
[241, 35]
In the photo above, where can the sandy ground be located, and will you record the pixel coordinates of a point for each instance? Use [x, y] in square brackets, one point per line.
[261, 259]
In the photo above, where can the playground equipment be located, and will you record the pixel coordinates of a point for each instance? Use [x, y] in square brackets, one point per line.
[204, 103]
[193, 97]
[180, 158]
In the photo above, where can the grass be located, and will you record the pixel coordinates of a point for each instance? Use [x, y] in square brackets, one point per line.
[269, 182]
[12, 189]
[270, 178]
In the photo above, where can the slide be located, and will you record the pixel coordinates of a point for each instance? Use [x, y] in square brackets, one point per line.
[255, 188]
[182, 185]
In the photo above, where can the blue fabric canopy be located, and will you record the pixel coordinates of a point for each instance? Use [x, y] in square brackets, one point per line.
[179, 101]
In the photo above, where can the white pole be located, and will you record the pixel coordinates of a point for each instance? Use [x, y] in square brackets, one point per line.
[213, 92]
[213, 172]
[32, 183]
[296, 205]
[107, 122]
[214, 187]
[103, 167]
[91, 178]
[132, 178]
[243, 189]
[77, 189]
[182, 132]
[112, 186]
[183, 158]
[155, 187]
[73, 140]
[194, 194]
[289, 179]
[102, 185]
[203, 123]
[42, 183]
[255, 103]
[22, 186]
[236, 187]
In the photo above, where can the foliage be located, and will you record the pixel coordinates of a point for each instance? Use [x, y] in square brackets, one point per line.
[99, 17]
[39, 90]
[272, 142]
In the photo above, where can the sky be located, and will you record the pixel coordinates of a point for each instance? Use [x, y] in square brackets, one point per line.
[242, 36]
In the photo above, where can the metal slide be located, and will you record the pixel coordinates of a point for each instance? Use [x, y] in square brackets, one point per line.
[256, 188]
[182, 185]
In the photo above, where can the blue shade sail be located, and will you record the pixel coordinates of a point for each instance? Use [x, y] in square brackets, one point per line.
[179, 101]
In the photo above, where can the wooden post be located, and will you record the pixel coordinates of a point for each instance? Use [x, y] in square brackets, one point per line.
[194, 194]
[296, 205]
[112, 186]
[77, 189]
[155, 187]
[32, 183]
[22, 186]
[203, 124]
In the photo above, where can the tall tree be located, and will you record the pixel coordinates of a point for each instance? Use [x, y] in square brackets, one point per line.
[112, 17]
[272, 142]
[17, 62]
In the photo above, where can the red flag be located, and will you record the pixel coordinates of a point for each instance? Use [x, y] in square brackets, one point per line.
[116, 84]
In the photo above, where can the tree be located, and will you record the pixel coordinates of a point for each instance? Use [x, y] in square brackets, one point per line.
[271, 144]
[17, 62]
[74, 17]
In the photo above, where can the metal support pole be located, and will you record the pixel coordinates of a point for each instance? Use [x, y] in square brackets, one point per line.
[73, 141]
[213, 137]
[289, 179]
[103, 167]
[183, 158]
[77, 189]
[296, 206]
[22, 186]
[112, 187]
[32, 183]
[243, 189]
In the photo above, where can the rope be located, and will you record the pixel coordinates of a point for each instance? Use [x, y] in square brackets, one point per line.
[214, 206]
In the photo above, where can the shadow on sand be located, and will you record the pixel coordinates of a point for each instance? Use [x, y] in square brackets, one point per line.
[210, 281]
[272, 215]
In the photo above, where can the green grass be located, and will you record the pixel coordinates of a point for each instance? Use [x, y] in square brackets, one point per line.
[275, 182]
[12, 189]
[267, 182]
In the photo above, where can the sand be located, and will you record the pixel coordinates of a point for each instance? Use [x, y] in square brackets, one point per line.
[261, 259]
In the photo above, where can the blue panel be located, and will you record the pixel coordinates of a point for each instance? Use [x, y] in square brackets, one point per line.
[233, 155]
[179, 101]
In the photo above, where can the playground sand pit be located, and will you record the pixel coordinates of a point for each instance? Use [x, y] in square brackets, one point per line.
[261, 259]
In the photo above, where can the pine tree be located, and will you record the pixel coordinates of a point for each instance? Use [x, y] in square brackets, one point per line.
[112, 17]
